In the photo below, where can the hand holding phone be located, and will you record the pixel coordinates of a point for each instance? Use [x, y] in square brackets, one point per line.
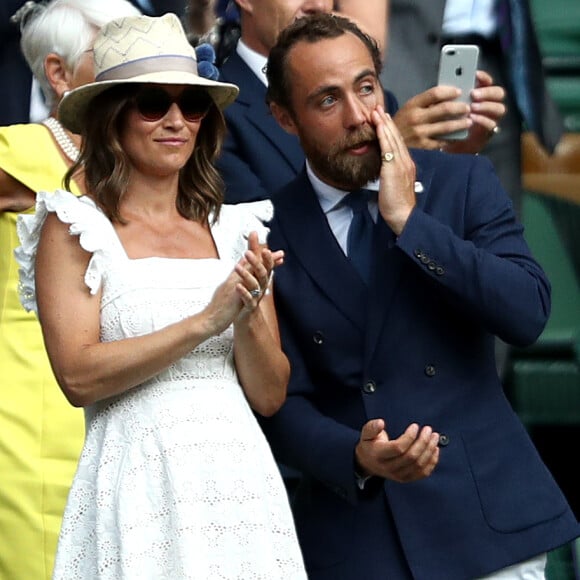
[457, 67]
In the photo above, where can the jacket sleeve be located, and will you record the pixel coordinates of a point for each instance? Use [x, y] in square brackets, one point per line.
[481, 258]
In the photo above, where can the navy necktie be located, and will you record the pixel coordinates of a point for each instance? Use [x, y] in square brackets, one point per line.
[359, 241]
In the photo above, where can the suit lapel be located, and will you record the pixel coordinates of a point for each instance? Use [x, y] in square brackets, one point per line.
[252, 101]
[389, 264]
[317, 250]
[315, 247]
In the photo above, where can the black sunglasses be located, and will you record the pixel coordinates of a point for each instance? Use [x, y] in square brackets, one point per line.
[153, 103]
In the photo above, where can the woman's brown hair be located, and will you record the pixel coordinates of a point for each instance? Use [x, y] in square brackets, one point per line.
[106, 166]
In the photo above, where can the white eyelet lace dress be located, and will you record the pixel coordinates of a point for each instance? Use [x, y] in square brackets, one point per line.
[176, 480]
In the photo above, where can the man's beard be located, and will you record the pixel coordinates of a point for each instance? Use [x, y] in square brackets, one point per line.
[343, 169]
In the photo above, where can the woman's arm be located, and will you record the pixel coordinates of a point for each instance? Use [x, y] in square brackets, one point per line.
[89, 370]
[14, 195]
[261, 365]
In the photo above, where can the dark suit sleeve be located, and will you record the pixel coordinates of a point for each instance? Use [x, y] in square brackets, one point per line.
[487, 267]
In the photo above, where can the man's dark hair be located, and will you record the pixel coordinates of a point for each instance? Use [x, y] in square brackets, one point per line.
[312, 28]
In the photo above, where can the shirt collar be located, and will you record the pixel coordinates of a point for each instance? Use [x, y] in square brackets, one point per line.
[256, 62]
[330, 197]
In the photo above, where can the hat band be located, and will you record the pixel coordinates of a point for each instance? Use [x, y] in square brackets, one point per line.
[156, 64]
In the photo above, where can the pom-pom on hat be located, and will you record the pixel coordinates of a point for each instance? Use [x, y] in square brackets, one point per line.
[141, 49]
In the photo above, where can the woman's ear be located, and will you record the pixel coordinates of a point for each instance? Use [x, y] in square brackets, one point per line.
[57, 74]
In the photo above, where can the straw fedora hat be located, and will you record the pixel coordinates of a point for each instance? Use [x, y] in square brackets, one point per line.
[140, 49]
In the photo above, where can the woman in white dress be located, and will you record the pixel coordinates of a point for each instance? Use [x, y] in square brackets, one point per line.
[158, 319]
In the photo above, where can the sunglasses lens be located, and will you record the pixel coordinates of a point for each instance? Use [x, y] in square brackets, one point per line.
[153, 103]
[194, 104]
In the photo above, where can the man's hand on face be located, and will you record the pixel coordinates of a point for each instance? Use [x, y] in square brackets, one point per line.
[397, 190]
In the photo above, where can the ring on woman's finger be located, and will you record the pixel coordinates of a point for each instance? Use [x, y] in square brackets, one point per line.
[256, 292]
[494, 131]
[388, 156]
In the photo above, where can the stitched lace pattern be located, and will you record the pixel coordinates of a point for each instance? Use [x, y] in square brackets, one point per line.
[176, 480]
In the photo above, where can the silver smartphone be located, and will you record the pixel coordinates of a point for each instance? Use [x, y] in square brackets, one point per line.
[457, 67]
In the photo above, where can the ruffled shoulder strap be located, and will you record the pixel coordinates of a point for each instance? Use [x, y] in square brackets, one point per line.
[236, 222]
[95, 231]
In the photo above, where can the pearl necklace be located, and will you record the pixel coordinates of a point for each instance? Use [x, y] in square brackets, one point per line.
[60, 136]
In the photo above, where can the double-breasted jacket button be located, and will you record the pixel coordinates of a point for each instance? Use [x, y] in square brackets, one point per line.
[443, 440]
[430, 370]
[370, 387]
[318, 337]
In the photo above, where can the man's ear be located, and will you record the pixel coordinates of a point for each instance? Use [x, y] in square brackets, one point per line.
[284, 118]
[57, 74]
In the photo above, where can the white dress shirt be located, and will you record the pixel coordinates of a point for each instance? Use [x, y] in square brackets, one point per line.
[339, 215]
[256, 62]
[533, 569]
[469, 17]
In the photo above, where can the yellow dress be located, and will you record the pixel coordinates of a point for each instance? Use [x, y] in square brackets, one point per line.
[41, 434]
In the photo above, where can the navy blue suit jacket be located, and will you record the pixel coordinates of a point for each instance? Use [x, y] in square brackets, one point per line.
[258, 156]
[417, 346]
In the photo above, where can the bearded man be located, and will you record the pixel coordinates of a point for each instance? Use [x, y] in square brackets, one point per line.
[401, 267]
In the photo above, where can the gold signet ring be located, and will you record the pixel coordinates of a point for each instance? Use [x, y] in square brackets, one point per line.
[388, 156]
